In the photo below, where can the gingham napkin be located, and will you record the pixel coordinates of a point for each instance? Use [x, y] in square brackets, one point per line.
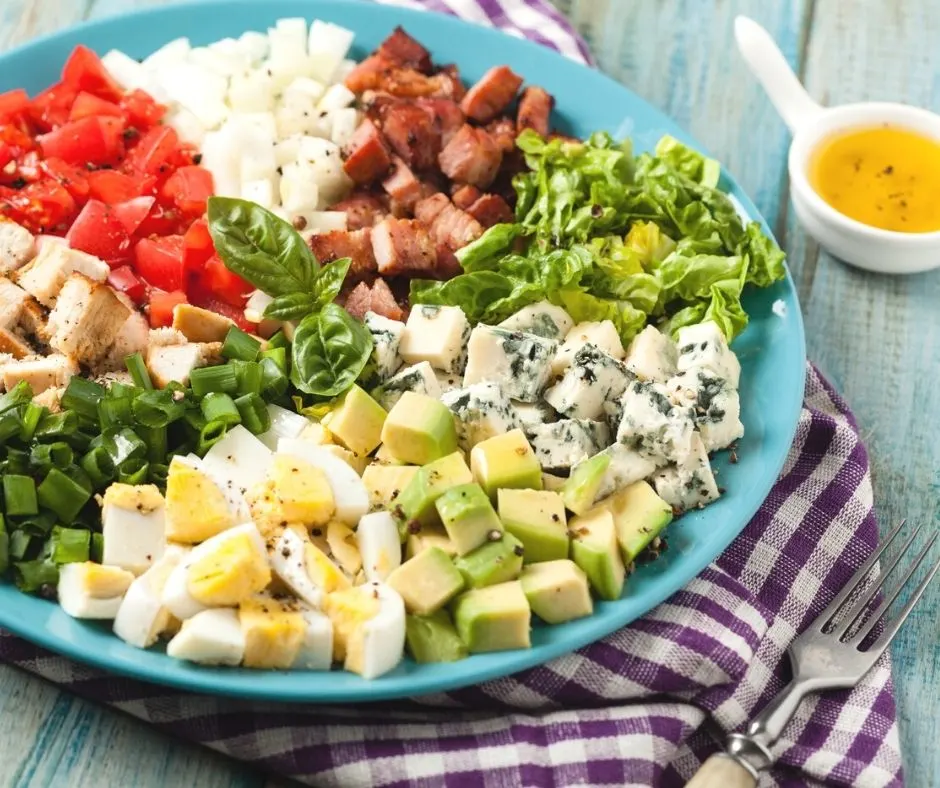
[636, 709]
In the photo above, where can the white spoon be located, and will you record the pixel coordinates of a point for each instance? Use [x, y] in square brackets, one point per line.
[810, 123]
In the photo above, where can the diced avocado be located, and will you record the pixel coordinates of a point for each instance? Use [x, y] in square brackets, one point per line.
[552, 482]
[356, 422]
[433, 638]
[384, 457]
[419, 429]
[427, 582]
[537, 519]
[428, 536]
[586, 478]
[494, 618]
[385, 483]
[493, 562]
[639, 515]
[357, 462]
[557, 591]
[468, 517]
[415, 504]
[594, 548]
[505, 461]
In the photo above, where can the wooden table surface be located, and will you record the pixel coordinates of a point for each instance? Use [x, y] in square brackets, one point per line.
[876, 337]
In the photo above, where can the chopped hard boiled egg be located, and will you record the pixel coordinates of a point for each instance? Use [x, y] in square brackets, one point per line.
[196, 507]
[210, 637]
[379, 545]
[133, 525]
[349, 493]
[290, 563]
[238, 461]
[274, 632]
[302, 491]
[90, 590]
[142, 617]
[368, 628]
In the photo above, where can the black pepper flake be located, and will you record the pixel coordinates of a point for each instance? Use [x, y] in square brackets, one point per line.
[317, 532]
[556, 518]
[733, 457]
[285, 551]
[279, 170]
[518, 549]
[888, 170]
[197, 158]
[414, 527]
[597, 211]
[19, 183]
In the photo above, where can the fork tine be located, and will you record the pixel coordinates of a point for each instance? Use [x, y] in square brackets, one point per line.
[833, 607]
[857, 610]
[889, 600]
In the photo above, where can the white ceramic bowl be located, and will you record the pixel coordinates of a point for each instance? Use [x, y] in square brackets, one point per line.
[856, 243]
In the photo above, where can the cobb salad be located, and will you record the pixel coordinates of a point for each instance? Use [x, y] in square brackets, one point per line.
[309, 362]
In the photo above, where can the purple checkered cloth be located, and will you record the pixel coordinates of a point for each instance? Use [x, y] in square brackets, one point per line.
[642, 707]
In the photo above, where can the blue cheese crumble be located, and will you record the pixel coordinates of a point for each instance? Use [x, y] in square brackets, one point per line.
[519, 362]
[703, 346]
[418, 378]
[543, 319]
[438, 335]
[689, 484]
[593, 378]
[563, 444]
[652, 356]
[481, 411]
[652, 425]
[386, 337]
[715, 405]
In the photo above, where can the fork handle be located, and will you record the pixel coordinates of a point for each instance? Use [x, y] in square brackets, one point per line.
[723, 771]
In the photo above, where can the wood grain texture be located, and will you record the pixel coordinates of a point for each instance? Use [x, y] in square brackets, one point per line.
[871, 334]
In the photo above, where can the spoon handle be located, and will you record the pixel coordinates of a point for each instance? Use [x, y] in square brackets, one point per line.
[767, 63]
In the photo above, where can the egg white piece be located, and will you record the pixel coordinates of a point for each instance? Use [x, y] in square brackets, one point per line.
[379, 643]
[288, 560]
[349, 492]
[134, 535]
[316, 651]
[176, 597]
[284, 424]
[238, 461]
[142, 615]
[87, 590]
[212, 637]
[223, 474]
[379, 545]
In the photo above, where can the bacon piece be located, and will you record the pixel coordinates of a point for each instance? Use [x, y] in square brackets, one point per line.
[448, 266]
[492, 94]
[403, 186]
[451, 86]
[490, 209]
[464, 196]
[403, 246]
[368, 75]
[363, 209]
[367, 155]
[503, 131]
[375, 298]
[535, 110]
[472, 156]
[412, 134]
[449, 225]
[401, 48]
[445, 114]
[355, 244]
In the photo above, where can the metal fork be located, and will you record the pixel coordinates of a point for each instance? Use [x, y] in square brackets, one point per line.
[826, 656]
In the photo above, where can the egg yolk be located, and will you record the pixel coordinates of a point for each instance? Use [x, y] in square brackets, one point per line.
[885, 177]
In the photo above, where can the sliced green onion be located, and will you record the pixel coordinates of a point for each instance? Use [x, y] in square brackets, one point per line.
[158, 408]
[220, 407]
[273, 379]
[97, 546]
[17, 462]
[195, 419]
[247, 376]
[279, 356]
[38, 525]
[20, 394]
[62, 495]
[115, 412]
[43, 456]
[133, 471]
[209, 380]
[32, 414]
[240, 345]
[124, 444]
[117, 390]
[156, 440]
[138, 369]
[210, 435]
[254, 413]
[4, 551]
[11, 424]
[82, 396]
[20, 542]
[98, 465]
[158, 473]
[278, 340]
[70, 545]
[31, 576]
[19, 495]
[57, 425]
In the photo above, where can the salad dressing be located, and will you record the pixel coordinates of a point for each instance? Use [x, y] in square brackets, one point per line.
[884, 176]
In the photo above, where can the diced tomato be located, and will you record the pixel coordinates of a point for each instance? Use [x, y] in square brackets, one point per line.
[160, 261]
[85, 71]
[161, 307]
[99, 232]
[50, 109]
[223, 284]
[152, 154]
[189, 188]
[141, 110]
[7, 154]
[95, 141]
[197, 246]
[74, 180]
[124, 280]
[131, 213]
[13, 105]
[40, 207]
[87, 105]
[112, 187]
[162, 221]
[234, 313]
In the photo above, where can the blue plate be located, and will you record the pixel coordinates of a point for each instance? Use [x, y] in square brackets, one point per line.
[772, 351]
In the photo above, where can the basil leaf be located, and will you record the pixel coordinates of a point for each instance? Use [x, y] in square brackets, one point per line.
[292, 306]
[329, 351]
[330, 281]
[260, 247]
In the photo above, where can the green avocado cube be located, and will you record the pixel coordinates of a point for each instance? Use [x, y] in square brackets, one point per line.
[594, 548]
[468, 517]
[433, 638]
[419, 429]
[639, 514]
[505, 461]
[427, 582]
[537, 519]
[557, 591]
[494, 618]
[580, 490]
[427, 536]
[493, 562]
[356, 422]
[414, 505]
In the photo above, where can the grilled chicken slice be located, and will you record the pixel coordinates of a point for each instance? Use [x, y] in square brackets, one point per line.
[40, 373]
[492, 94]
[86, 319]
[200, 325]
[176, 362]
[17, 246]
[12, 302]
[44, 277]
[472, 156]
